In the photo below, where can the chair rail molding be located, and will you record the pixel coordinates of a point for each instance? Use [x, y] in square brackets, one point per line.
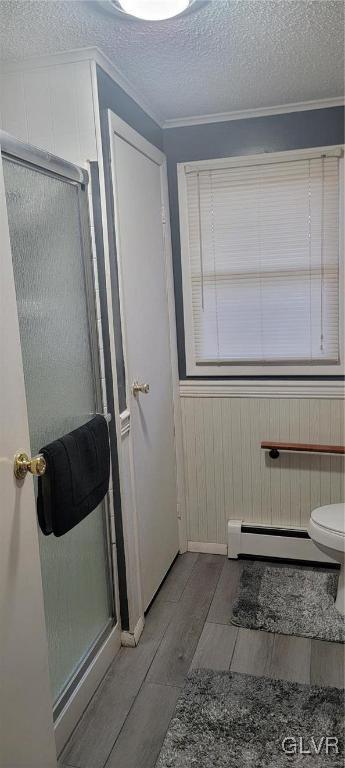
[308, 389]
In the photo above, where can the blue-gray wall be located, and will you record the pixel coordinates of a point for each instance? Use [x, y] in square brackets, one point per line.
[111, 96]
[297, 130]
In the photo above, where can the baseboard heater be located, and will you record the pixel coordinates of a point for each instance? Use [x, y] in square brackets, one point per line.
[272, 541]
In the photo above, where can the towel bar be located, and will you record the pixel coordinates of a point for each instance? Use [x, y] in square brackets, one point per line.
[107, 416]
[274, 448]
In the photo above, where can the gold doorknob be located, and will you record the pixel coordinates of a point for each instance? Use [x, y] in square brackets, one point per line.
[23, 464]
[136, 388]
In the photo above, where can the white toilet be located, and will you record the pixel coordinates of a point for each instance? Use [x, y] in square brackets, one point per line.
[327, 530]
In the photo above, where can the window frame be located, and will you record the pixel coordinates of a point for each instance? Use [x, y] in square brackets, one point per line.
[253, 369]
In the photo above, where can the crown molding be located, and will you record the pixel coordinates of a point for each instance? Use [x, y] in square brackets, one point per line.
[84, 54]
[93, 53]
[244, 114]
[330, 390]
[102, 60]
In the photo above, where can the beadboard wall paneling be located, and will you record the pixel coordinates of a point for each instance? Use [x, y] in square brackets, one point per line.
[228, 476]
[52, 108]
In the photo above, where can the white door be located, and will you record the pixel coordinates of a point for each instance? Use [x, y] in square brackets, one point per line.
[138, 170]
[26, 718]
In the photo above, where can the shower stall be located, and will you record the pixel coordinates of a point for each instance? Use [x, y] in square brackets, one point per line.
[47, 211]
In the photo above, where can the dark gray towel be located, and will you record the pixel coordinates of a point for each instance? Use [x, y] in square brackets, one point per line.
[76, 479]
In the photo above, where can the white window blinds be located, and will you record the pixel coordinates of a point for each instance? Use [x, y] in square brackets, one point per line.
[264, 252]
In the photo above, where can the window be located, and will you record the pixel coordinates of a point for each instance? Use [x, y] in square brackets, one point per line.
[260, 260]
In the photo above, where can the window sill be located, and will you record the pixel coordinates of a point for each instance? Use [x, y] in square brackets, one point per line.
[211, 371]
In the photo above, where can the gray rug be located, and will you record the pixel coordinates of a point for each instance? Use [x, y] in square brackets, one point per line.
[289, 601]
[228, 720]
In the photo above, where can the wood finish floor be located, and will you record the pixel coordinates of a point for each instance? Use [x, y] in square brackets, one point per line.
[187, 626]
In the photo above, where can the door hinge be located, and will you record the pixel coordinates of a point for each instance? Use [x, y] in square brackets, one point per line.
[164, 221]
[178, 507]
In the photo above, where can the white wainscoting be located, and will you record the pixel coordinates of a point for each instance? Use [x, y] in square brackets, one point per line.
[228, 476]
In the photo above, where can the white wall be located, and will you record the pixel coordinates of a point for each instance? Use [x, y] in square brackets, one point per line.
[51, 107]
[227, 474]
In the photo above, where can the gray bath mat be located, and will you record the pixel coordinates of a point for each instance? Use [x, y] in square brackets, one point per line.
[289, 601]
[228, 720]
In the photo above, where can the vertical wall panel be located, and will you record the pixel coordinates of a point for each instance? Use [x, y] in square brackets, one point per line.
[12, 101]
[190, 472]
[337, 463]
[295, 472]
[285, 477]
[210, 437]
[325, 465]
[199, 465]
[228, 457]
[219, 467]
[39, 119]
[273, 467]
[52, 107]
[228, 476]
[235, 427]
[265, 488]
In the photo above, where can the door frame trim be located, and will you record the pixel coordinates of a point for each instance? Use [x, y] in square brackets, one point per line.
[119, 128]
[181, 497]
[135, 139]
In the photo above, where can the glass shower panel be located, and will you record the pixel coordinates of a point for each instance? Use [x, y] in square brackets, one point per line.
[44, 222]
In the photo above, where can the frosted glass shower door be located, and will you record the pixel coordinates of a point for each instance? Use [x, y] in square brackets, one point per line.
[50, 263]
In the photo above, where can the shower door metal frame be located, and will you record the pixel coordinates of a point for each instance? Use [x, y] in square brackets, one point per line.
[41, 160]
[14, 150]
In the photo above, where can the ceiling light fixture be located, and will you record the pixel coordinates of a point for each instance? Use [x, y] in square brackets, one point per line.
[154, 10]
[150, 10]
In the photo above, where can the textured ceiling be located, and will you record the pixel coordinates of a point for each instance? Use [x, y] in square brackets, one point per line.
[227, 55]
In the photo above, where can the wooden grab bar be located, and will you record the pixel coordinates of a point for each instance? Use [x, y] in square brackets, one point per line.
[274, 448]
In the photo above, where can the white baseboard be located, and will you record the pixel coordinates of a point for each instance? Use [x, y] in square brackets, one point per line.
[131, 639]
[76, 705]
[210, 548]
[241, 542]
